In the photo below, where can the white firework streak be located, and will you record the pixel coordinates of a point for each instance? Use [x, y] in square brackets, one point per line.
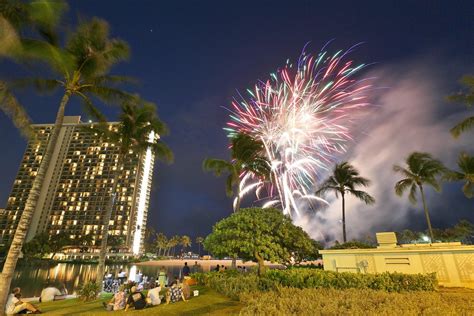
[302, 116]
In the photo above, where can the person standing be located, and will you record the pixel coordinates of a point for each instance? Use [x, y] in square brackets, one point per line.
[162, 277]
[138, 277]
[186, 270]
[196, 267]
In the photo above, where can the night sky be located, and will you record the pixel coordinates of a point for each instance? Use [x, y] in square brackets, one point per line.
[192, 56]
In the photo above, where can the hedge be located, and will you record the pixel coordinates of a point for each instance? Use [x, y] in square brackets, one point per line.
[390, 282]
[234, 284]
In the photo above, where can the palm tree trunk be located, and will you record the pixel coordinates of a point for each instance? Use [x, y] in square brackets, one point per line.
[344, 237]
[105, 230]
[30, 205]
[199, 247]
[425, 208]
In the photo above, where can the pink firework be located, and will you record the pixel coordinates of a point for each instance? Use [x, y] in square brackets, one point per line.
[302, 115]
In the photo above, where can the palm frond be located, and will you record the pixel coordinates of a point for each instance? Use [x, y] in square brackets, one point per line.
[466, 96]
[163, 152]
[326, 189]
[46, 15]
[360, 181]
[58, 59]
[10, 43]
[453, 176]
[108, 95]
[91, 109]
[40, 84]
[403, 171]
[412, 194]
[468, 189]
[218, 166]
[112, 80]
[363, 196]
[402, 185]
[433, 182]
[15, 111]
[463, 126]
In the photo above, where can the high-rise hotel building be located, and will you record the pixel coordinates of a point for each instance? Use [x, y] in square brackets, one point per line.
[78, 185]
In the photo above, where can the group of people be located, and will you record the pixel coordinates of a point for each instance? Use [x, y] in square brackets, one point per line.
[223, 268]
[135, 298]
[15, 304]
[127, 293]
[175, 290]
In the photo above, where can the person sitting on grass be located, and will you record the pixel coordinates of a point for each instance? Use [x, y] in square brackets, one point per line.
[153, 296]
[175, 293]
[16, 306]
[51, 293]
[118, 300]
[136, 299]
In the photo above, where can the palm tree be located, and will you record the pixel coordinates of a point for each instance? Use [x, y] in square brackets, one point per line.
[344, 180]
[466, 174]
[136, 124]
[420, 169]
[467, 98]
[246, 156]
[199, 241]
[81, 69]
[150, 239]
[173, 242]
[161, 243]
[185, 242]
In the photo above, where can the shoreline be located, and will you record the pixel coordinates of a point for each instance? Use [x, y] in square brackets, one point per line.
[207, 264]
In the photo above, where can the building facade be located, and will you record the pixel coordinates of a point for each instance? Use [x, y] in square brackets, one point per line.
[78, 185]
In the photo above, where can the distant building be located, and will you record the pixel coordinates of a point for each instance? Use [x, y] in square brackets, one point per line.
[78, 186]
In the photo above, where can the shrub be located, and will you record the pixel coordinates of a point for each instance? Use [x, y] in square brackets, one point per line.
[233, 284]
[292, 301]
[89, 291]
[391, 282]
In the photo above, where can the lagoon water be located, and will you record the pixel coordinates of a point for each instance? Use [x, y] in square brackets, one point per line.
[33, 279]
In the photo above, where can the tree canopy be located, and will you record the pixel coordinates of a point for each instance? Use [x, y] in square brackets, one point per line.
[257, 234]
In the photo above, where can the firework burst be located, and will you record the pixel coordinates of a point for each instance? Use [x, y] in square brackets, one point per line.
[302, 115]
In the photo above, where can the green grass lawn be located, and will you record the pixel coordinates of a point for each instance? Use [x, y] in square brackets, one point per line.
[208, 302]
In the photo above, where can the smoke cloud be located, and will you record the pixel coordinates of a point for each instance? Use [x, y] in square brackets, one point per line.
[410, 115]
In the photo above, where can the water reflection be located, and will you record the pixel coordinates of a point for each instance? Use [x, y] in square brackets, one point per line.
[33, 279]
